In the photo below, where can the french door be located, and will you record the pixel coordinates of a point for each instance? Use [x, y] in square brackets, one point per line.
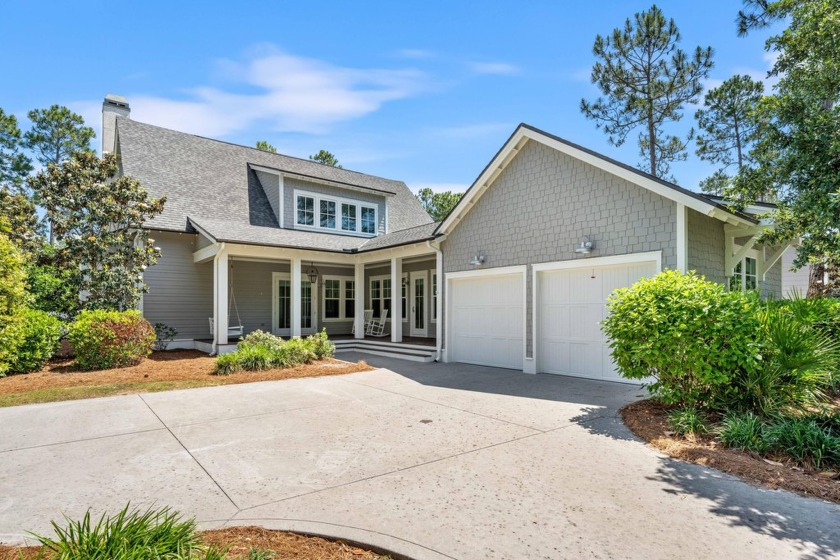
[418, 319]
[282, 305]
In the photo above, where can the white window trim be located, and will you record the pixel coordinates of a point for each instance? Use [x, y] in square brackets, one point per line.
[338, 202]
[275, 276]
[369, 299]
[342, 298]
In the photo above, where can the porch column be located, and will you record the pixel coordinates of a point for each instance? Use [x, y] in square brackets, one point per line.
[439, 302]
[359, 319]
[396, 300]
[220, 300]
[294, 268]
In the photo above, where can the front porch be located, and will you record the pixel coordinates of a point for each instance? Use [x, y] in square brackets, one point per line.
[293, 293]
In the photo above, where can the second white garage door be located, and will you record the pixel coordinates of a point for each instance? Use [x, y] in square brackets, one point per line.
[571, 303]
[486, 320]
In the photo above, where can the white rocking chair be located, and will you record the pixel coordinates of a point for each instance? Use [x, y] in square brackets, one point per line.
[377, 326]
[368, 318]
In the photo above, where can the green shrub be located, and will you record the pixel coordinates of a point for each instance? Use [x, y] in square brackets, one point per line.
[804, 440]
[129, 535]
[691, 336]
[41, 335]
[13, 300]
[261, 338]
[687, 421]
[260, 351]
[322, 346]
[796, 370]
[227, 364]
[743, 431]
[164, 335]
[107, 339]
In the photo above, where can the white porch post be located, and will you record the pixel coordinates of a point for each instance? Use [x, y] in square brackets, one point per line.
[439, 302]
[396, 300]
[359, 320]
[682, 238]
[296, 292]
[220, 301]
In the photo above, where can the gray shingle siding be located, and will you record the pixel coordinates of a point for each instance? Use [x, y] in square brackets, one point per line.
[271, 186]
[292, 185]
[180, 292]
[544, 203]
[772, 285]
[706, 246]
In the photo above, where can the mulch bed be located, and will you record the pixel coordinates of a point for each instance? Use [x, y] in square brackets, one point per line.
[241, 540]
[172, 369]
[648, 420]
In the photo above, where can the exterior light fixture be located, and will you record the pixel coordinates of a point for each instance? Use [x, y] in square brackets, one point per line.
[312, 273]
[477, 260]
[585, 248]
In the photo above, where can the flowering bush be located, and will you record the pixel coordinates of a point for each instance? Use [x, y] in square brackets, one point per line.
[107, 339]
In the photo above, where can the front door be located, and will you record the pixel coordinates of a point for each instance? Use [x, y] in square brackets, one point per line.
[282, 312]
[417, 303]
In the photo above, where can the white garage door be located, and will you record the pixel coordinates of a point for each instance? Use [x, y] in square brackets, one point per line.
[486, 322]
[570, 306]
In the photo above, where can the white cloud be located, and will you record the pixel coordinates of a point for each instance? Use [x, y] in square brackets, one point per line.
[438, 187]
[495, 68]
[472, 131]
[287, 93]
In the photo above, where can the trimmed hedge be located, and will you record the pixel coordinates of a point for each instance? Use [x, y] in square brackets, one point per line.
[40, 335]
[108, 339]
[260, 351]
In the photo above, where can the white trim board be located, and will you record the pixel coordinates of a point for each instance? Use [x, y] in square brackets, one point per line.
[627, 258]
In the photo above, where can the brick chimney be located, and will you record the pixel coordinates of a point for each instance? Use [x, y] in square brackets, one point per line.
[112, 107]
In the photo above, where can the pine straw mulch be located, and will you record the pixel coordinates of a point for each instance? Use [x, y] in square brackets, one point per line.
[648, 419]
[241, 540]
[162, 371]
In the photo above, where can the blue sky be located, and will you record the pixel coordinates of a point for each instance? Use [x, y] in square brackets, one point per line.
[424, 92]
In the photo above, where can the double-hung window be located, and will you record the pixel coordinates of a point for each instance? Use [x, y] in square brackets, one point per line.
[335, 214]
[745, 275]
[339, 298]
[380, 295]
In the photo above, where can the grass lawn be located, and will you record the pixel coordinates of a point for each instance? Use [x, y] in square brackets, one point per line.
[162, 371]
[649, 420]
[250, 542]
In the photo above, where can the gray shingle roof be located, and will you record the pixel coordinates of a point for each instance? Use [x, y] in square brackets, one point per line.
[228, 231]
[211, 180]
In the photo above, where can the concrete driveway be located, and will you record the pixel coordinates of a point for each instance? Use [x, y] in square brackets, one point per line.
[426, 460]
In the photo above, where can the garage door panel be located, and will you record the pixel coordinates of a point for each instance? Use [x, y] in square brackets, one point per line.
[487, 319]
[571, 305]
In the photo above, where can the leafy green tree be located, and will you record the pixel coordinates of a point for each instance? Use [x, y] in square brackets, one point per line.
[56, 134]
[98, 222]
[326, 158]
[646, 80]
[13, 300]
[798, 148]
[20, 222]
[14, 165]
[439, 204]
[727, 128]
[266, 147]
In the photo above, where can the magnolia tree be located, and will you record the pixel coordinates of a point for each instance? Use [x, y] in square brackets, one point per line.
[98, 221]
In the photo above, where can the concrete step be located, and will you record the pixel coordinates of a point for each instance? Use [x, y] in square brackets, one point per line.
[412, 352]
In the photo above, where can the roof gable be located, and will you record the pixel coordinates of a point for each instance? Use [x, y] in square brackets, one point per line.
[525, 133]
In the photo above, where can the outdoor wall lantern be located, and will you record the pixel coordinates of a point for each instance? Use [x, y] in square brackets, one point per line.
[477, 260]
[313, 274]
[585, 248]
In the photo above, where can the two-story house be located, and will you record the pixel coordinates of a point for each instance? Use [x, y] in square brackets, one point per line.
[516, 276]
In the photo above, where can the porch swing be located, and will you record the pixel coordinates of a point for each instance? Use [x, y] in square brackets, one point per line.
[234, 332]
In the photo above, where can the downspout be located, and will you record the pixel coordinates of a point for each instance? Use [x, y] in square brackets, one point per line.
[215, 348]
[434, 244]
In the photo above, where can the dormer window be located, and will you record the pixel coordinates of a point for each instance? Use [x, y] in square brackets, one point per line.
[335, 214]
